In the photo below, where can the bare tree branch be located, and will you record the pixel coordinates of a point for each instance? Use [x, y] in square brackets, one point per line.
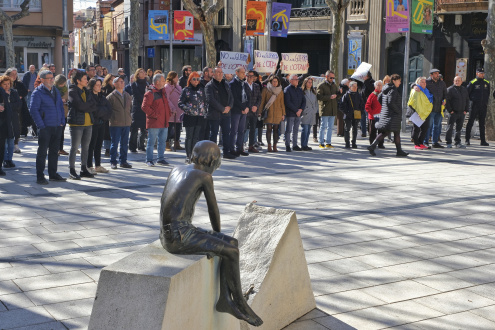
[214, 9]
[24, 11]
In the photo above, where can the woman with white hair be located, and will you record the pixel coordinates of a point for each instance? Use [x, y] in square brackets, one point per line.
[352, 106]
[373, 108]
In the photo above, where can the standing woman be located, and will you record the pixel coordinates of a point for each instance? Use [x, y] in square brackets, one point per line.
[174, 91]
[106, 88]
[373, 109]
[80, 119]
[391, 116]
[352, 106]
[6, 125]
[149, 76]
[10, 99]
[192, 102]
[137, 113]
[22, 92]
[101, 116]
[61, 85]
[272, 100]
[421, 102]
[309, 114]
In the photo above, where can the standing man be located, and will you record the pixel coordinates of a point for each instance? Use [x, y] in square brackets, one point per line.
[438, 89]
[327, 93]
[120, 123]
[457, 105]
[204, 134]
[241, 93]
[295, 102]
[155, 106]
[368, 88]
[186, 71]
[91, 72]
[47, 111]
[28, 81]
[207, 76]
[122, 75]
[479, 92]
[220, 101]
[252, 116]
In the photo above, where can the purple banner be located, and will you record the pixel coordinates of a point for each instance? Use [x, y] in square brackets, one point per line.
[397, 16]
[280, 19]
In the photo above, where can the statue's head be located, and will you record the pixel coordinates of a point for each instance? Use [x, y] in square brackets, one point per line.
[206, 154]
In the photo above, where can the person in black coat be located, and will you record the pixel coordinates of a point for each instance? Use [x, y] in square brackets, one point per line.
[351, 101]
[390, 116]
[186, 71]
[138, 116]
[242, 103]
[101, 116]
[366, 90]
[6, 124]
[23, 114]
[457, 105]
[14, 102]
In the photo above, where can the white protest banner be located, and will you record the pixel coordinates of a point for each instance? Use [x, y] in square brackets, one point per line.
[294, 63]
[265, 61]
[233, 60]
[361, 71]
[317, 80]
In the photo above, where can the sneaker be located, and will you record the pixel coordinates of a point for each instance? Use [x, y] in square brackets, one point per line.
[16, 149]
[74, 176]
[91, 170]
[41, 181]
[113, 166]
[135, 151]
[261, 143]
[467, 143]
[438, 145]
[460, 146]
[126, 165]
[57, 178]
[484, 144]
[426, 146]
[288, 149]
[296, 148]
[329, 146]
[449, 145]
[101, 169]
[322, 146]
[163, 162]
[63, 153]
[150, 164]
[6, 164]
[420, 147]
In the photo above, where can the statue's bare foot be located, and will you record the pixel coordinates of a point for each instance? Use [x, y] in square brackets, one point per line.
[228, 306]
[252, 318]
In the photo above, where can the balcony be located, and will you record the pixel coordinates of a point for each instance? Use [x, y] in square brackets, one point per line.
[357, 12]
[308, 8]
[461, 6]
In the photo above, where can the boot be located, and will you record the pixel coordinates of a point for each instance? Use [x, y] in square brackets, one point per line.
[177, 146]
[168, 147]
[346, 139]
[372, 148]
[269, 148]
[400, 152]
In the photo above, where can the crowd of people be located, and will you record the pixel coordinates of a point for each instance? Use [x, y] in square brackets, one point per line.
[112, 114]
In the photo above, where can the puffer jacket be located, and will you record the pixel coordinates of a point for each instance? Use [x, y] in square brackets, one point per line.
[155, 106]
[391, 114]
[351, 101]
[138, 91]
[78, 108]
[173, 95]
[47, 109]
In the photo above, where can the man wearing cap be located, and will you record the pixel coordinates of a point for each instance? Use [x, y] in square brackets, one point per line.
[439, 91]
[479, 92]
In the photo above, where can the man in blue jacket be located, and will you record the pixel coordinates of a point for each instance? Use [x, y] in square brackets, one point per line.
[295, 102]
[47, 111]
[242, 97]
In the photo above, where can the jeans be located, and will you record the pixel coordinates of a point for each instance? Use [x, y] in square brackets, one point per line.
[292, 126]
[79, 135]
[478, 111]
[135, 142]
[153, 134]
[28, 99]
[48, 142]
[237, 127]
[456, 119]
[326, 124]
[306, 131]
[193, 134]
[9, 149]
[435, 119]
[95, 145]
[224, 122]
[252, 121]
[119, 135]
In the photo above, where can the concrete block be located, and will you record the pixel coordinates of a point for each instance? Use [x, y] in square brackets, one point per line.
[153, 289]
[272, 259]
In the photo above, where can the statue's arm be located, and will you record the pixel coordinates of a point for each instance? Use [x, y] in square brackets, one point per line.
[211, 201]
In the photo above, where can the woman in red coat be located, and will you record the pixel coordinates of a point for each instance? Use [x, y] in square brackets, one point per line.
[373, 108]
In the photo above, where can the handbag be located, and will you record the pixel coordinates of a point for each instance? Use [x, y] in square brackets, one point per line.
[357, 113]
[264, 114]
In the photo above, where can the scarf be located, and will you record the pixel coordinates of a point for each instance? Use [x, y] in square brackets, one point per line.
[244, 96]
[427, 93]
[275, 91]
[63, 90]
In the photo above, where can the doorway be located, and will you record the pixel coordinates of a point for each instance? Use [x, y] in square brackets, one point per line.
[36, 57]
[449, 64]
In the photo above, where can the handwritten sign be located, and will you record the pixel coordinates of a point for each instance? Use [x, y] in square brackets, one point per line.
[233, 60]
[294, 63]
[265, 61]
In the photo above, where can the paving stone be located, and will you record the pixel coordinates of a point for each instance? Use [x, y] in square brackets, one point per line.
[455, 301]
[342, 302]
[16, 300]
[305, 325]
[53, 280]
[79, 323]
[49, 325]
[398, 291]
[8, 287]
[24, 317]
[465, 320]
[320, 255]
[71, 309]
[443, 282]
[487, 312]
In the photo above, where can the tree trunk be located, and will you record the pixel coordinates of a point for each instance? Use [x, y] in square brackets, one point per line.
[489, 48]
[134, 37]
[211, 51]
[9, 43]
[335, 45]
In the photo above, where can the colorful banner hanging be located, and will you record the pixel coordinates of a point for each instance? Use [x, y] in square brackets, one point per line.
[255, 18]
[397, 16]
[232, 60]
[422, 16]
[158, 25]
[294, 63]
[354, 54]
[265, 61]
[280, 19]
[183, 25]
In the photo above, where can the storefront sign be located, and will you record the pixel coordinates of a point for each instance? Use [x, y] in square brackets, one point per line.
[397, 16]
[294, 63]
[158, 25]
[31, 42]
[354, 55]
[422, 16]
[280, 19]
[232, 60]
[265, 62]
[183, 25]
[255, 18]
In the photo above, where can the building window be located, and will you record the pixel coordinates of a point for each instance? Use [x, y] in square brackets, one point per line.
[15, 5]
[358, 11]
